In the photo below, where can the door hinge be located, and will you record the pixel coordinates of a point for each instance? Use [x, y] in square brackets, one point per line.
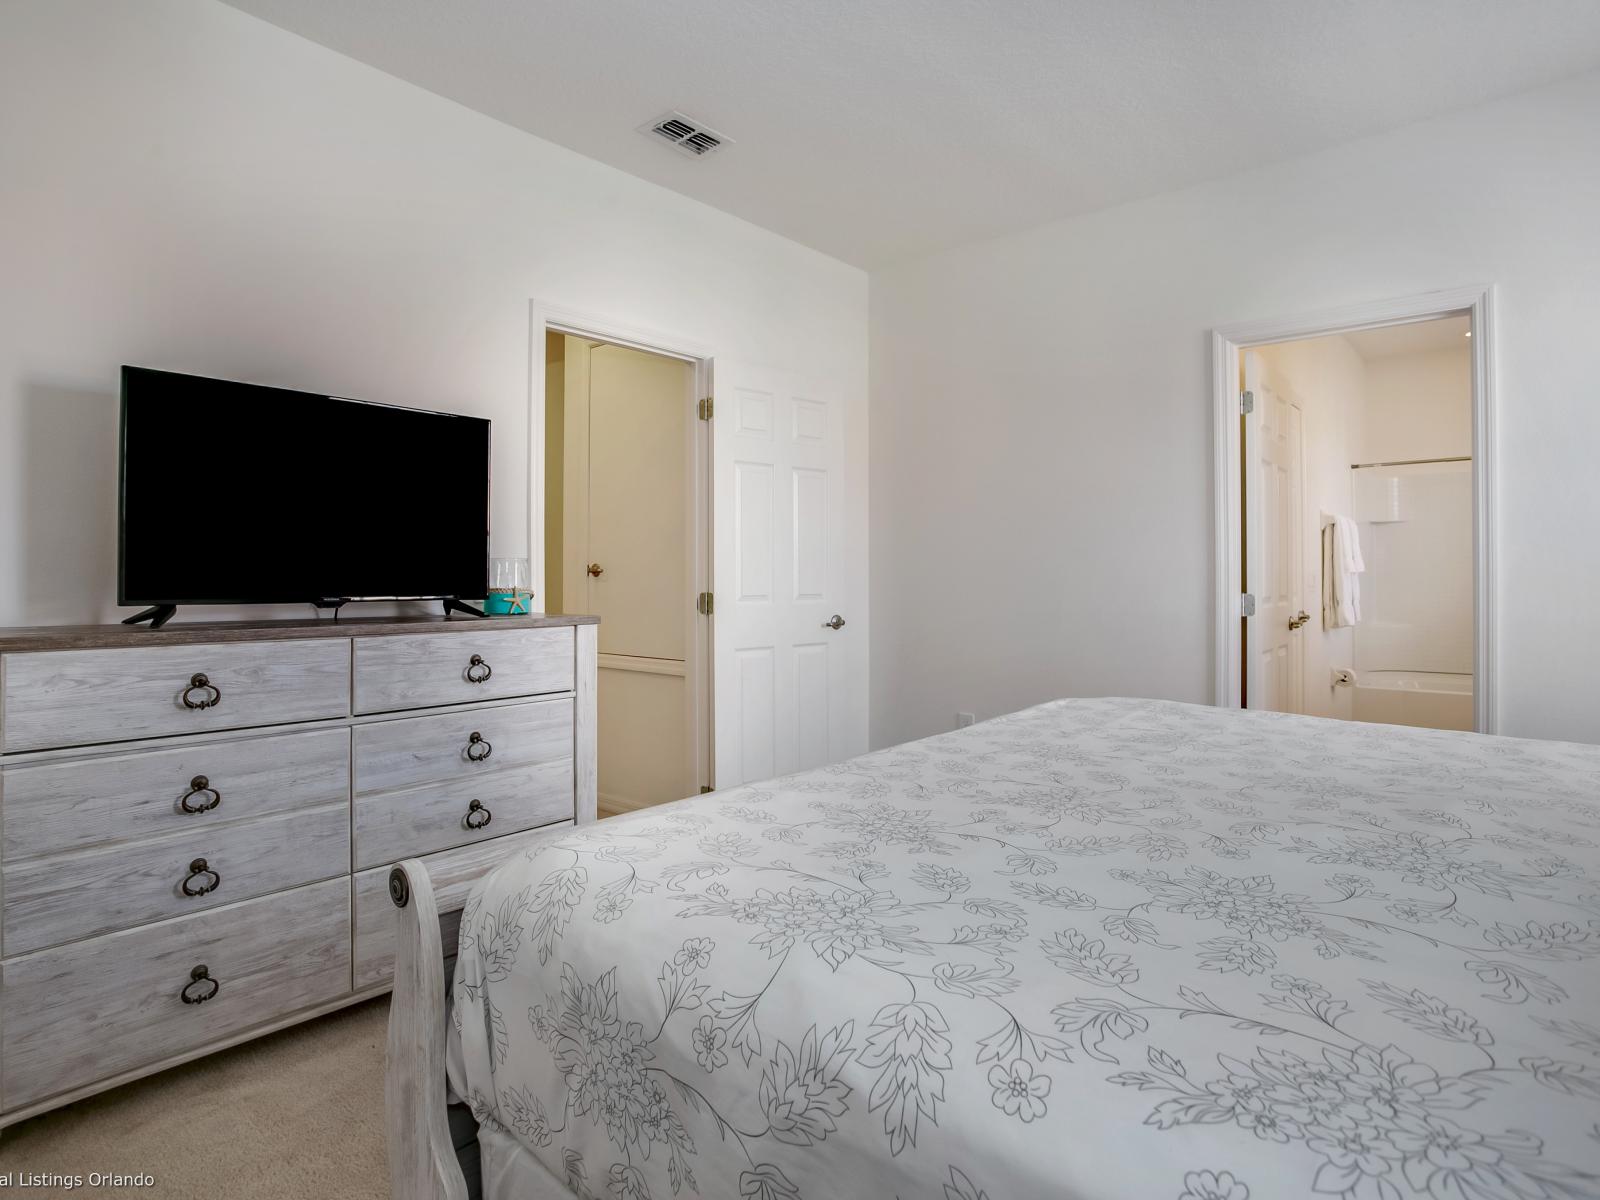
[704, 604]
[1247, 403]
[1247, 605]
[704, 409]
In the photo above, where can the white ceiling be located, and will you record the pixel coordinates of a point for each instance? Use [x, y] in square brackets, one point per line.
[880, 129]
[1447, 333]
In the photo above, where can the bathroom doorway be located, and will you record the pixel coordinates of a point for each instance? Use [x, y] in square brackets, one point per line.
[625, 515]
[1356, 517]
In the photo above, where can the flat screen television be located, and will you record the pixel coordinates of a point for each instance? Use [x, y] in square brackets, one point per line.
[233, 493]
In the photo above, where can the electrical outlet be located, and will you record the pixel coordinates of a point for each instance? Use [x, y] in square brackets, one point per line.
[965, 719]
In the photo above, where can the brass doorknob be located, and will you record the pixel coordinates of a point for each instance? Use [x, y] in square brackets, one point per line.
[1300, 619]
[596, 569]
[836, 624]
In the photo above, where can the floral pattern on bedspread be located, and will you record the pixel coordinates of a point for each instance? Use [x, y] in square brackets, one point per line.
[1106, 949]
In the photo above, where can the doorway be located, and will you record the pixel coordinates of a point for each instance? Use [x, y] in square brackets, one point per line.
[1355, 548]
[777, 659]
[624, 522]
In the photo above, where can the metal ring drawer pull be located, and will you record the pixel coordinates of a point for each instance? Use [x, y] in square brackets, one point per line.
[200, 988]
[199, 786]
[198, 869]
[199, 683]
[478, 671]
[477, 815]
[478, 747]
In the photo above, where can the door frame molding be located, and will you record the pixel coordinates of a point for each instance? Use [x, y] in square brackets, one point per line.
[545, 316]
[1478, 303]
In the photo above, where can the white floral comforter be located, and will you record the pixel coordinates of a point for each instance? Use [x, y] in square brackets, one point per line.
[1108, 949]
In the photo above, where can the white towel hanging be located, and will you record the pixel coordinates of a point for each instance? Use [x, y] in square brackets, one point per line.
[1341, 563]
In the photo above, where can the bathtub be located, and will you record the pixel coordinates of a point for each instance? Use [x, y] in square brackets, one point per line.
[1431, 699]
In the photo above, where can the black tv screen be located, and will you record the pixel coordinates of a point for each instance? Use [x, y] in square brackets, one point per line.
[232, 493]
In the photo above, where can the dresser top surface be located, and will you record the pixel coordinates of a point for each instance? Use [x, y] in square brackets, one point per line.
[106, 637]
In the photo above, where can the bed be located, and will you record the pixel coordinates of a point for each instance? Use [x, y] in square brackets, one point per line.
[1110, 949]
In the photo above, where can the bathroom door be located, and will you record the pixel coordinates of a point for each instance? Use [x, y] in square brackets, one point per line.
[1275, 547]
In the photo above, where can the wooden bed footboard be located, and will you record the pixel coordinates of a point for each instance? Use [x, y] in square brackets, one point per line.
[422, 1159]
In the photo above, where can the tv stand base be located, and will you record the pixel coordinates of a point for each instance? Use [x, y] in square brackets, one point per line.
[157, 614]
[452, 605]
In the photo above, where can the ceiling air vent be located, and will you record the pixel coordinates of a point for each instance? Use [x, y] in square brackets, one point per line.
[686, 135]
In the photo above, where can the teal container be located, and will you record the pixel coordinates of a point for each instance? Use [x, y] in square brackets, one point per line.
[508, 603]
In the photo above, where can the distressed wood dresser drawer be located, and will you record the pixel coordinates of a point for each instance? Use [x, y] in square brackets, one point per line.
[63, 897]
[93, 1010]
[395, 673]
[460, 746]
[452, 874]
[81, 697]
[80, 803]
[390, 826]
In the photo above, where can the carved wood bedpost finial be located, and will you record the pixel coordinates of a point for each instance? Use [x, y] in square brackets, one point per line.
[422, 1160]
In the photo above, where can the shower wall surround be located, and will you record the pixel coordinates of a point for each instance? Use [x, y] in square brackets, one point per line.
[1414, 644]
[1416, 594]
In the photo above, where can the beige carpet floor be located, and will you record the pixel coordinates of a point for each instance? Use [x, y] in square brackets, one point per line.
[294, 1116]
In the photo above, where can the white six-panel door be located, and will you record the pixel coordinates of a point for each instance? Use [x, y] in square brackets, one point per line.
[1274, 502]
[783, 675]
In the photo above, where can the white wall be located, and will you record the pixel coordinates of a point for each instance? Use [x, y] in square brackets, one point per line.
[1041, 513]
[187, 187]
[1327, 379]
[1419, 405]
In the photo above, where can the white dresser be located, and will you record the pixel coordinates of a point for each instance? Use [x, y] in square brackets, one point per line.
[196, 822]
